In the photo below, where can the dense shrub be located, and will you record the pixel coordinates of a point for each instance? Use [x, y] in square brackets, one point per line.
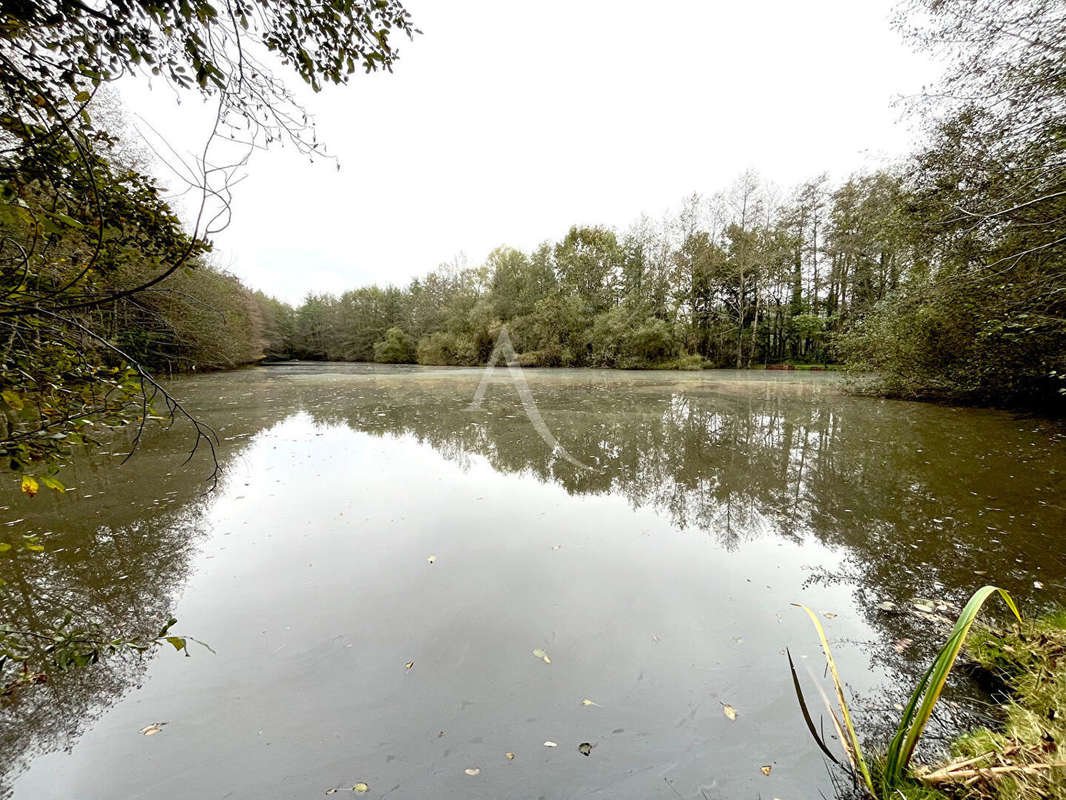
[396, 348]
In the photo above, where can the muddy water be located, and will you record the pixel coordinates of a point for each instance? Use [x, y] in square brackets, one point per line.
[369, 518]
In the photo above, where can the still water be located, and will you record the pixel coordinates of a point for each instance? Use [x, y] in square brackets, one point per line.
[369, 518]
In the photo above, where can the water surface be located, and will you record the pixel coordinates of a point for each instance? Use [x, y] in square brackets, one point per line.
[659, 582]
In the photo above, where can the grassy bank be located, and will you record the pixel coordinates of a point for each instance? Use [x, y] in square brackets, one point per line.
[1021, 757]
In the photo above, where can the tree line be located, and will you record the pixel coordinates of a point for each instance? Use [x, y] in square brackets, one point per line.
[741, 278]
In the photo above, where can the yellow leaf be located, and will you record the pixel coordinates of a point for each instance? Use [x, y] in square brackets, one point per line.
[766, 769]
[587, 702]
[511, 756]
[432, 559]
[29, 485]
[409, 664]
[729, 711]
[542, 655]
[12, 399]
[473, 771]
[153, 729]
[550, 744]
[360, 788]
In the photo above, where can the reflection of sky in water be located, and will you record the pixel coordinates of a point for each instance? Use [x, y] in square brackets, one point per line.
[313, 585]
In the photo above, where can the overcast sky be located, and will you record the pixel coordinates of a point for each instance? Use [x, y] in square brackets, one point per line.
[506, 122]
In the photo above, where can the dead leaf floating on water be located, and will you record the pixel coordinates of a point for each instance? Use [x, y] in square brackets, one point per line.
[542, 655]
[729, 711]
[587, 702]
[360, 788]
[151, 730]
[510, 756]
[473, 771]
[765, 769]
[550, 744]
[830, 615]
[585, 748]
[408, 665]
[432, 559]
[331, 791]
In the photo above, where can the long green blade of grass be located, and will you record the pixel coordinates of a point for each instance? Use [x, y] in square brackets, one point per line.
[806, 713]
[920, 707]
[852, 741]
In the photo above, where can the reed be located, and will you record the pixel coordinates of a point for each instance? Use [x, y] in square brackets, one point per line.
[916, 713]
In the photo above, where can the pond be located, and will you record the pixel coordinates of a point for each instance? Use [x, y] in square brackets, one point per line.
[380, 560]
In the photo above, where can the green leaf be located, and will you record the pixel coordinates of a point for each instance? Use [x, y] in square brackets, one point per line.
[170, 624]
[53, 484]
[916, 716]
[69, 220]
[177, 642]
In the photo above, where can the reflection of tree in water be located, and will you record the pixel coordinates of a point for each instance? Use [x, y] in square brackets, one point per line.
[917, 494]
[917, 498]
[119, 578]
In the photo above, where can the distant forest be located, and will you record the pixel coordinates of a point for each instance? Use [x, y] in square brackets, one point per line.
[738, 279]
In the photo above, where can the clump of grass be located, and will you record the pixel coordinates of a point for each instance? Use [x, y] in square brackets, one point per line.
[893, 776]
[1021, 759]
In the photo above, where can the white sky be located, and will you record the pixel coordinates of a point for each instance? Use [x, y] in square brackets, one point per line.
[506, 122]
